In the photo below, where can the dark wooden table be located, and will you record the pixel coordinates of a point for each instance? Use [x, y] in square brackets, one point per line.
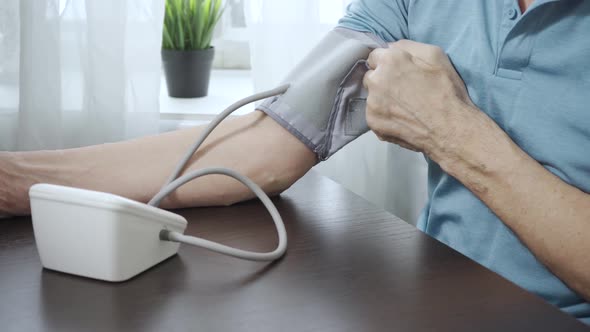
[350, 267]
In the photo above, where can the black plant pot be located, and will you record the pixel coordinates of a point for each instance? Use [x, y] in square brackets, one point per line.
[188, 72]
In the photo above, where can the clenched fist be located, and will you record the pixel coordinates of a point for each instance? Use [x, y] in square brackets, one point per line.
[416, 98]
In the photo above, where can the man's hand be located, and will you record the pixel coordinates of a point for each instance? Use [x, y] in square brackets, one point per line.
[416, 98]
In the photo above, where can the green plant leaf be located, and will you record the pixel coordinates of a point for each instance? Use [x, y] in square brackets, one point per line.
[168, 43]
[206, 15]
[189, 24]
[218, 13]
[207, 41]
[196, 25]
[201, 27]
[180, 31]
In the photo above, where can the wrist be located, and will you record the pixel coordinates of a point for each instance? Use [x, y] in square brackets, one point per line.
[13, 189]
[478, 149]
[455, 141]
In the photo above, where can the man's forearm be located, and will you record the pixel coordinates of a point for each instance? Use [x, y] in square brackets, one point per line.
[252, 144]
[551, 217]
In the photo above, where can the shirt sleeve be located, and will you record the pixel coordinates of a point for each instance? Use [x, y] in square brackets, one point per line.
[387, 19]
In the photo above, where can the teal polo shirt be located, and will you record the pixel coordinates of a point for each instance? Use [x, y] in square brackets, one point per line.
[531, 74]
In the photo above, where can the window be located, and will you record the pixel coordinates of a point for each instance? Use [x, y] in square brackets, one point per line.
[231, 38]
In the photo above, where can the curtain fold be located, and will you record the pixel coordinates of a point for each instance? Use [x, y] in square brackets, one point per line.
[78, 72]
[281, 33]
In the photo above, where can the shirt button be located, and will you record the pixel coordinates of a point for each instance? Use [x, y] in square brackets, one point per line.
[512, 13]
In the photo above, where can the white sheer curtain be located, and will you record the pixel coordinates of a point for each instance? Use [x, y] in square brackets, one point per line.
[282, 32]
[78, 72]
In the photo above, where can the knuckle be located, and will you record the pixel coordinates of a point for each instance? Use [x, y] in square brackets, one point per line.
[393, 58]
[444, 79]
[401, 43]
[368, 79]
[375, 57]
[437, 51]
[371, 59]
[366, 82]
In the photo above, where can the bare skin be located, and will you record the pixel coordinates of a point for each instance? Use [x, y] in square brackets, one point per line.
[431, 112]
[525, 4]
[253, 144]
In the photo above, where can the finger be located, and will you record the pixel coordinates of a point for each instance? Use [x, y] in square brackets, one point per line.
[367, 78]
[392, 55]
[375, 57]
[429, 53]
[372, 59]
[419, 49]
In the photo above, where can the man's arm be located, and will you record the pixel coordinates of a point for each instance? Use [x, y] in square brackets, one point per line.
[253, 145]
[551, 217]
[431, 112]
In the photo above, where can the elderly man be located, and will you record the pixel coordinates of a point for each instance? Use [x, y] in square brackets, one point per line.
[496, 94]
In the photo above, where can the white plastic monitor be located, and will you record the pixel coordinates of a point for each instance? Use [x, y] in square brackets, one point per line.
[99, 235]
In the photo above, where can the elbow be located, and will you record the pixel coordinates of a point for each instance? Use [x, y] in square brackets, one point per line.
[270, 182]
[275, 184]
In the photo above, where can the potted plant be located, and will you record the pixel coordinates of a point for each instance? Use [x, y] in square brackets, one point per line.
[186, 45]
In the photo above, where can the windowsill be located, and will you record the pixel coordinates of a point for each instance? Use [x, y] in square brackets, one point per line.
[226, 87]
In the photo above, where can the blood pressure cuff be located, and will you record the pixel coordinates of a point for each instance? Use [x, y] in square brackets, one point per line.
[324, 105]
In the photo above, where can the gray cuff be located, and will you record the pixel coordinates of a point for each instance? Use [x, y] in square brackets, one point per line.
[324, 106]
